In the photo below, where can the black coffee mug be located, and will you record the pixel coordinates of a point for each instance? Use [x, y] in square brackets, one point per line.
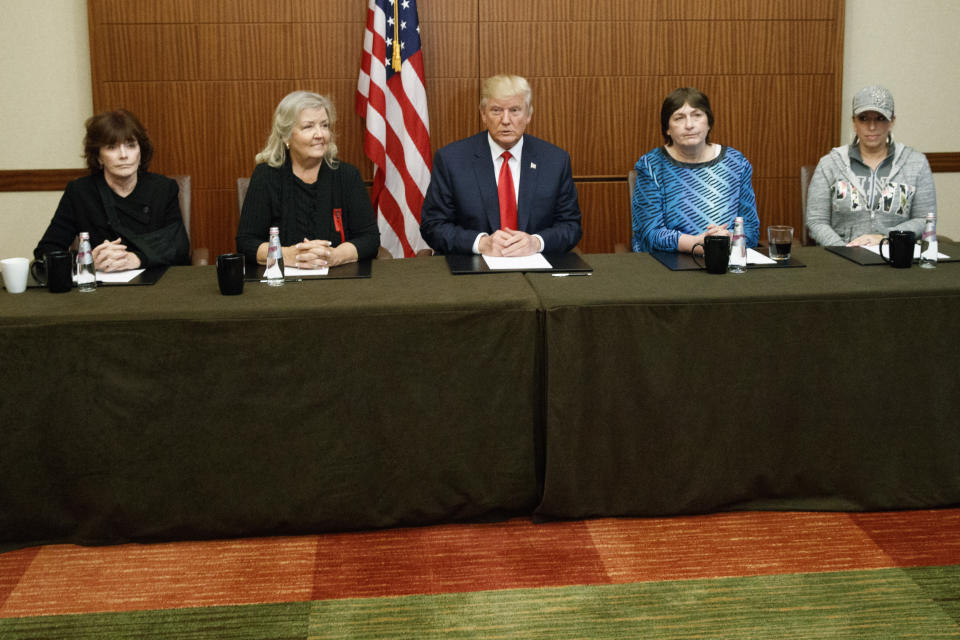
[901, 249]
[55, 271]
[716, 253]
[230, 269]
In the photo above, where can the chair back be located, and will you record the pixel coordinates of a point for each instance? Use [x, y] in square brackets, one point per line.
[620, 247]
[806, 172]
[242, 184]
[198, 255]
[183, 182]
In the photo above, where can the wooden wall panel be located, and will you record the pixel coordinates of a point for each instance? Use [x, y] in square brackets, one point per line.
[226, 11]
[661, 10]
[227, 52]
[746, 10]
[450, 50]
[638, 49]
[220, 231]
[453, 110]
[778, 201]
[606, 215]
[205, 76]
[439, 11]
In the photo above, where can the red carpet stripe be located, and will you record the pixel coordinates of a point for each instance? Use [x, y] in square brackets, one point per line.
[517, 554]
[12, 567]
[452, 558]
[915, 538]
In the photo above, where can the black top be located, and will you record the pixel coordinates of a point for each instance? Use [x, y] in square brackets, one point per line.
[277, 198]
[148, 220]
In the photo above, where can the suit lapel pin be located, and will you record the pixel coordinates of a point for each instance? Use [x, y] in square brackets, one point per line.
[533, 165]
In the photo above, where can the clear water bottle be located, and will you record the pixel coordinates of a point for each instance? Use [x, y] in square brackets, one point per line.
[274, 271]
[738, 248]
[86, 274]
[928, 243]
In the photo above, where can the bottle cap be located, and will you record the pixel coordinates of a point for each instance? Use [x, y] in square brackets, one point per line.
[84, 235]
[274, 230]
[931, 216]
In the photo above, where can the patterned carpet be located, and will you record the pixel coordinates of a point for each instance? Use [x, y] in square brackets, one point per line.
[736, 575]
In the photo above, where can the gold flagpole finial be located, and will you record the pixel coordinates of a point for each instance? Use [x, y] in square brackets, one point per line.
[396, 36]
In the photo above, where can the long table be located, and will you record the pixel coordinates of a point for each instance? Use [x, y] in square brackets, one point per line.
[833, 386]
[170, 411]
[415, 396]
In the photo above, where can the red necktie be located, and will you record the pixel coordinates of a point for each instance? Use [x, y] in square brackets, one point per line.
[508, 200]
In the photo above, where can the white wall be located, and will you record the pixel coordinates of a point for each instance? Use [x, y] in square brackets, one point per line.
[46, 97]
[911, 48]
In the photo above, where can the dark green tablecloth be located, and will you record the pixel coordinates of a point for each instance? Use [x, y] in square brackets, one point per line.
[830, 386]
[170, 411]
[416, 396]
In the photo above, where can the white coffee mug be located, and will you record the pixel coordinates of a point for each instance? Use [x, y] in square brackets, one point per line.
[15, 272]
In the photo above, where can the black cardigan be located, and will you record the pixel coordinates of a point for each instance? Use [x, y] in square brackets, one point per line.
[149, 219]
[268, 204]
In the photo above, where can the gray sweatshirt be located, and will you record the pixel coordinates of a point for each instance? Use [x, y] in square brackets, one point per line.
[842, 205]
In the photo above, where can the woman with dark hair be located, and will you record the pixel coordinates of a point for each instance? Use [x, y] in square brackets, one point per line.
[132, 215]
[690, 188]
[319, 203]
[861, 191]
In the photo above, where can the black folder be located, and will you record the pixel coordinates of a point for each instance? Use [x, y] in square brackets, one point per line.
[559, 263]
[359, 269]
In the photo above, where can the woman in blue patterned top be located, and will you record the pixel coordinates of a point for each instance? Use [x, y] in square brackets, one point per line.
[690, 188]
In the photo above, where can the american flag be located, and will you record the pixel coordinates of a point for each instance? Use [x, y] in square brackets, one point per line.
[392, 99]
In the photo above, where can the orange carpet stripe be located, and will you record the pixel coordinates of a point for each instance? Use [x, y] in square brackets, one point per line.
[731, 545]
[66, 579]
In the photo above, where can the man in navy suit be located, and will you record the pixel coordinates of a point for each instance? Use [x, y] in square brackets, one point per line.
[481, 200]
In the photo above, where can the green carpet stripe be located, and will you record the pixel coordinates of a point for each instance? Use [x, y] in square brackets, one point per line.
[864, 604]
[886, 604]
[285, 621]
[942, 585]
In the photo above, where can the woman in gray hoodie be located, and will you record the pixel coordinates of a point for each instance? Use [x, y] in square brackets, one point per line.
[860, 192]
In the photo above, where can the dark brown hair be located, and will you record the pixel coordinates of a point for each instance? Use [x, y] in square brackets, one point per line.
[679, 97]
[113, 127]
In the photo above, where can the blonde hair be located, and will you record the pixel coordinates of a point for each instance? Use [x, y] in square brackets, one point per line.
[274, 153]
[506, 86]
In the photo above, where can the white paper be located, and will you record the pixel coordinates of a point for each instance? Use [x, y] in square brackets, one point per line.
[115, 276]
[289, 272]
[535, 261]
[755, 257]
[875, 248]
[118, 276]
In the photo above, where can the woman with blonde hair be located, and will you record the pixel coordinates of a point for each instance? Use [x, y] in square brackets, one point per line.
[299, 185]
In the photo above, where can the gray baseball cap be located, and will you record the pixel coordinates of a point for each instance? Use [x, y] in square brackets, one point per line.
[874, 98]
